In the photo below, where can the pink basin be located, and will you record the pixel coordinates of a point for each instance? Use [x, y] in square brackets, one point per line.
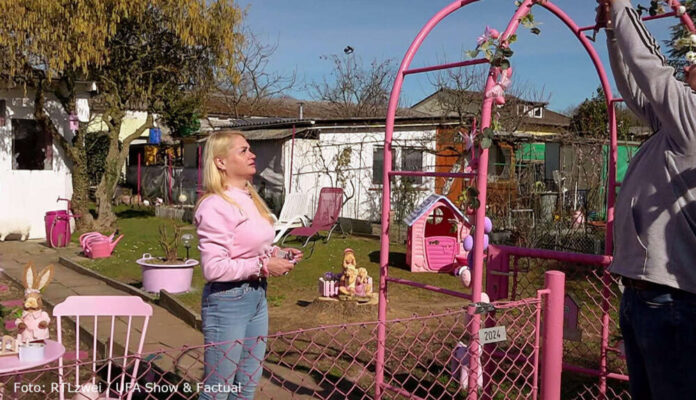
[172, 278]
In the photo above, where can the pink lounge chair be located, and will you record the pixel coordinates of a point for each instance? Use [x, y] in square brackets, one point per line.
[325, 219]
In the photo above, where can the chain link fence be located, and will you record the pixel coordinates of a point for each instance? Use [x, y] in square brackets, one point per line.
[426, 357]
[593, 364]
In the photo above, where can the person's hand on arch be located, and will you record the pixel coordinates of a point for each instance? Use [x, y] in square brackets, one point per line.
[603, 17]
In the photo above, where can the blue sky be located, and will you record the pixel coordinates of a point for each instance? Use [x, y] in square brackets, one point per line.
[304, 30]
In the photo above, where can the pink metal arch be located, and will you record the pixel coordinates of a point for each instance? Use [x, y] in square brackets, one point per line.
[482, 171]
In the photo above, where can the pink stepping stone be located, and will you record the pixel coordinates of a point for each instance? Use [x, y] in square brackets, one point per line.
[10, 325]
[4, 288]
[12, 303]
[70, 355]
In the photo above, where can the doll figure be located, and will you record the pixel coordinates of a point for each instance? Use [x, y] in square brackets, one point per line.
[349, 259]
[363, 283]
[347, 283]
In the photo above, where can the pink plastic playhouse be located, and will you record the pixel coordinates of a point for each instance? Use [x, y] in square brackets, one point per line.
[435, 233]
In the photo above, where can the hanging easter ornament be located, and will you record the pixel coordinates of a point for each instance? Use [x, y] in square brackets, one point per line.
[487, 225]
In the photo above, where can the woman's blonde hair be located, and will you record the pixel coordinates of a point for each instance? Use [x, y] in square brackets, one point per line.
[217, 146]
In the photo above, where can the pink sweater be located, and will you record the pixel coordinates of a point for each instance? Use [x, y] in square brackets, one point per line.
[232, 241]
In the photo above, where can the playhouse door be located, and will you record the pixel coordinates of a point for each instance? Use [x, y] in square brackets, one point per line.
[440, 252]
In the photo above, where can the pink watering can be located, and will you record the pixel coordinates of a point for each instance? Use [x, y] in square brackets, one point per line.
[96, 245]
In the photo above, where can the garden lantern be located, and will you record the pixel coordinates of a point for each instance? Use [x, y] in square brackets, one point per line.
[186, 239]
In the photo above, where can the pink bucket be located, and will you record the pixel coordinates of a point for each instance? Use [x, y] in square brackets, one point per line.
[172, 278]
[57, 228]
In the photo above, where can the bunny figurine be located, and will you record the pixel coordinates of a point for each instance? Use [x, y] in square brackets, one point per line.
[33, 325]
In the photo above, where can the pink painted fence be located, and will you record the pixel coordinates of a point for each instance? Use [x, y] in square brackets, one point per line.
[591, 353]
[424, 359]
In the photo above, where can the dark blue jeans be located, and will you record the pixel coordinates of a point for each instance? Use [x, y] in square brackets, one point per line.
[659, 331]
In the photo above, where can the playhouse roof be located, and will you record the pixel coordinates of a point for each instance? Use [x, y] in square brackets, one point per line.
[424, 208]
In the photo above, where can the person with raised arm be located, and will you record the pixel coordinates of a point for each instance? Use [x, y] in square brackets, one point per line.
[655, 221]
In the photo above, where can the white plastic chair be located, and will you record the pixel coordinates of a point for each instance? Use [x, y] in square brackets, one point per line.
[86, 310]
[293, 214]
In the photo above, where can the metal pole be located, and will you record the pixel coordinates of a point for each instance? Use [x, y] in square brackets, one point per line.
[552, 347]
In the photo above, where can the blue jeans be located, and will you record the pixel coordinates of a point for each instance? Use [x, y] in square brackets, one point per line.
[232, 311]
[659, 330]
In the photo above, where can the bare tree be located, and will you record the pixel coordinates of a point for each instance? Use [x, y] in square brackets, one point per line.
[355, 90]
[256, 87]
[460, 93]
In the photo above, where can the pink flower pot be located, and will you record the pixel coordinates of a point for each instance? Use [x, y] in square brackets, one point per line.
[172, 278]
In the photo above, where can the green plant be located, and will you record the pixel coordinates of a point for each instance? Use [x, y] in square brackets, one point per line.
[468, 199]
[538, 187]
[528, 19]
[496, 53]
[682, 43]
[656, 7]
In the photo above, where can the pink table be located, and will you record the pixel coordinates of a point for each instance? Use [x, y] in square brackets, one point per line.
[11, 363]
[54, 351]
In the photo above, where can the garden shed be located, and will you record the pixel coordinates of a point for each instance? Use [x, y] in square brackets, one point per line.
[435, 233]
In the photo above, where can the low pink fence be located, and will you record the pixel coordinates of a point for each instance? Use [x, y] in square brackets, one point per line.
[424, 358]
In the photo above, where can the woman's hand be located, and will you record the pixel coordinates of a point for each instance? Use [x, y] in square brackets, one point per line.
[296, 253]
[279, 266]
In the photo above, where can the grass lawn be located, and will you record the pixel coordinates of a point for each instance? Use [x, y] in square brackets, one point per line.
[141, 233]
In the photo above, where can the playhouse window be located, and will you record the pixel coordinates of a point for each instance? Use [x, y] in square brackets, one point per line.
[435, 217]
[378, 164]
[412, 160]
[31, 146]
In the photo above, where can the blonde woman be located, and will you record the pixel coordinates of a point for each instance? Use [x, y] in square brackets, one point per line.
[235, 232]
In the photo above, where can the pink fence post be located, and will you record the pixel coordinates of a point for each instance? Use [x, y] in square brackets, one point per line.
[139, 162]
[171, 201]
[198, 183]
[552, 360]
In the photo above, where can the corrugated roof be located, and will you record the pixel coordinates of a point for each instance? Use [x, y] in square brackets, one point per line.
[276, 134]
[285, 107]
[471, 104]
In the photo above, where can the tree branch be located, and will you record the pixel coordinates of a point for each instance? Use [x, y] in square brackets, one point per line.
[149, 123]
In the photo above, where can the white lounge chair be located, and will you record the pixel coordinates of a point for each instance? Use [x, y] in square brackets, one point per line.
[293, 214]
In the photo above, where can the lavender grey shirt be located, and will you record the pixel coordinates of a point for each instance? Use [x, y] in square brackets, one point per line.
[655, 221]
